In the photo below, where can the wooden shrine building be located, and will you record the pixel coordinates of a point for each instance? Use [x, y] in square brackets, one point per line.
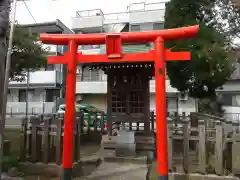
[127, 92]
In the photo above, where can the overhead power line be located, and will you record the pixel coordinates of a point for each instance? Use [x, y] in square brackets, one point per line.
[29, 11]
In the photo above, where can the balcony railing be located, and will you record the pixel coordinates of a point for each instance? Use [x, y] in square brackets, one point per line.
[143, 6]
[89, 13]
[19, 108]
[41, 77]
[89, 78]
[134, 7]
[236, 74]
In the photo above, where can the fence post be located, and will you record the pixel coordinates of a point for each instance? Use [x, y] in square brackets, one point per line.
[235, 154]
[235, 128]
[185, 144]
[102, 122]
[35, 140]
[89, 122]
[219, 148]
[170, 144]
[59, 124]
[95, 122]
[77, 137]
[46, 141]
[202, 146]
[152, 120]
[24, 138]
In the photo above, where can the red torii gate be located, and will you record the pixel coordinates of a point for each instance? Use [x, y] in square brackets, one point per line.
[114, 54]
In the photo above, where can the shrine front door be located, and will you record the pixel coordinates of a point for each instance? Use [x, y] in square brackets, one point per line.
[129, 91]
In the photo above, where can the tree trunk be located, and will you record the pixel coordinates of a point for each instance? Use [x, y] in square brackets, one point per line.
[4, 28]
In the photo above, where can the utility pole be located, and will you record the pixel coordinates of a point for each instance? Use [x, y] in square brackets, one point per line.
[27, 88]
[6, 81]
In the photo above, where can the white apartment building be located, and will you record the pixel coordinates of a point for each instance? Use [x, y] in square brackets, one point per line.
[91, 87]
[42, 87]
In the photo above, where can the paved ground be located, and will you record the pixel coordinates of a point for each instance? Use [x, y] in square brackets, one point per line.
[119, 171]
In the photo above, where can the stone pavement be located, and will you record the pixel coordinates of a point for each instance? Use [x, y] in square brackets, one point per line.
[119, 171]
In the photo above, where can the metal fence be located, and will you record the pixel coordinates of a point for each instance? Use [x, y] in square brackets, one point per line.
[233, 117]
[19, 108]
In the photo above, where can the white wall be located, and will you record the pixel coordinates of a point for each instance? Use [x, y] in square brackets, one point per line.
[38, 95]
[232, 113]
[100, 102]
[36, 102]
[41, 77]
[183, 106]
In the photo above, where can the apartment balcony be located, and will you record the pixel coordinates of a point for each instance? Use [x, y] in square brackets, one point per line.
[98, 85]
[146, 12]
[90, 49]
[93, 21]
[19, 108]
[236, 73]
[88, 21]
[116, 18]
[39, 79]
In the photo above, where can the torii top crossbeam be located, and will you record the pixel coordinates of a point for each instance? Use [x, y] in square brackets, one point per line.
[114, 54]
[127, 37]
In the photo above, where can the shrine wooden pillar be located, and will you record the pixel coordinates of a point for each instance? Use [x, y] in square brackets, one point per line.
[109, 102]
[160, 88]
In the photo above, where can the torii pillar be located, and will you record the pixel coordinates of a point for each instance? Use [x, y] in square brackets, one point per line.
[114, 54]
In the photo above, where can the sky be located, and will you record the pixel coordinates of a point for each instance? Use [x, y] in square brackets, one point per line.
[50, 10]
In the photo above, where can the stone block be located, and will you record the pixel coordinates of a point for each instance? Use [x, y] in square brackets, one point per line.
[193, 176]
[126, 150]
[236, 137]
[126, 145]
[236, 158]
[177, 176]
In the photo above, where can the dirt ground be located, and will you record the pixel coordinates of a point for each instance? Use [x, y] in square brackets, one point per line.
[86, 151]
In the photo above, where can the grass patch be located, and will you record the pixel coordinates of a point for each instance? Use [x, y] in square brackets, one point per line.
[14, 136]
[12, 160]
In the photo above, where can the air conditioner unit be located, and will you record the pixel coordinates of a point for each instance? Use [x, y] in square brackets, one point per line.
[78, 71]
[183, 96]
[79, 97]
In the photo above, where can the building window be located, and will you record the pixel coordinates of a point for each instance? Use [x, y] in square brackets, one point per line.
[227, 99]
[135, 28]
[22, 95]
[158, 26]
[172, 104]
[91, 75]
[52, 94]
[50, 67]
